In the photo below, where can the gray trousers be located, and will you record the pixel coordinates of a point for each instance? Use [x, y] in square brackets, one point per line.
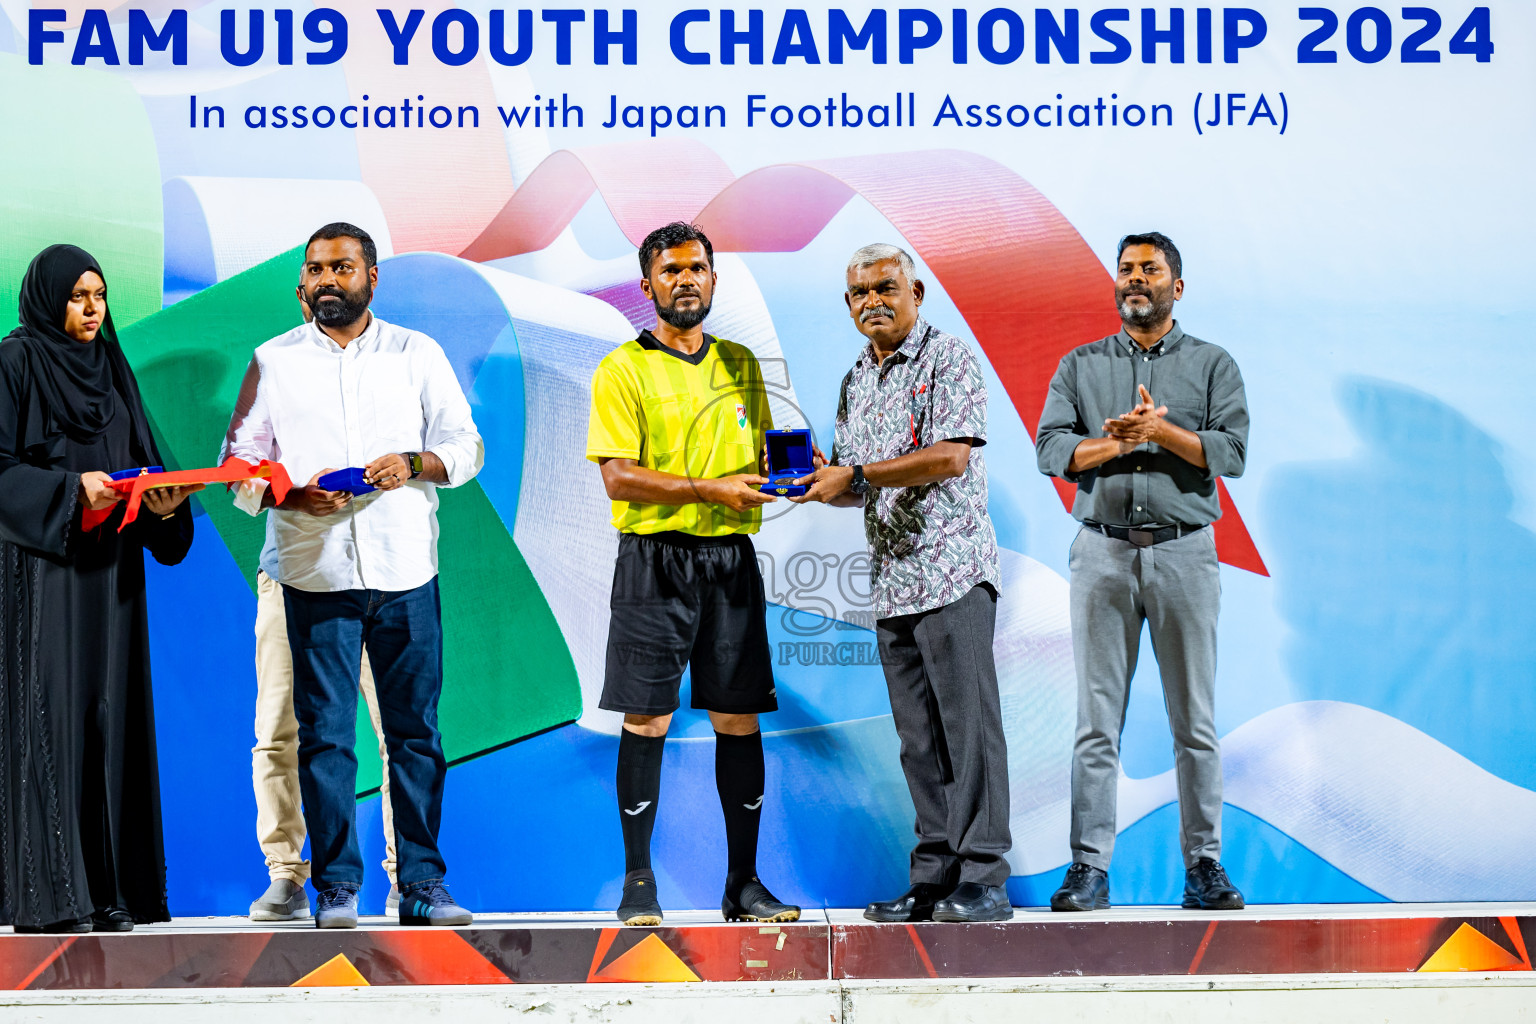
[943, 685]
[1176, 589]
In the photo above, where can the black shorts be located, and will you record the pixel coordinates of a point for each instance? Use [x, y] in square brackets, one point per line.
[684, 601]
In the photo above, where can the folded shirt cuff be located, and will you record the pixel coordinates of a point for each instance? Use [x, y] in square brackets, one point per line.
[457, 467]
[1219, 460]
[1059, 456]
[248, 495]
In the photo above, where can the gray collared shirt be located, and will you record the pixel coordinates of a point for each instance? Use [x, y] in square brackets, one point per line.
[929, 545]
[1203, 390]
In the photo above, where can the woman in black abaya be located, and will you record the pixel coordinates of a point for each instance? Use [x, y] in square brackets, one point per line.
[80, 842]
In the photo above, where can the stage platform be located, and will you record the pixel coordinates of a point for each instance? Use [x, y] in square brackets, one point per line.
[835, 946]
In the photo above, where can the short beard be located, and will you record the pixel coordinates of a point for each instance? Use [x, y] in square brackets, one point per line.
[347, 310]
[1155, 312]
[682, 319]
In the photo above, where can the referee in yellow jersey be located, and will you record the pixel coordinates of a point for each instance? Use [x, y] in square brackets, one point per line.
[677, 423]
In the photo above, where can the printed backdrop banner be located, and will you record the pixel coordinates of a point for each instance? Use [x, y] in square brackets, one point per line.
[1349, 186]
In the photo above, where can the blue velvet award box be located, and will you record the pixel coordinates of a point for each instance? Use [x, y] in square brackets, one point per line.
[349, 480]
[789, 458]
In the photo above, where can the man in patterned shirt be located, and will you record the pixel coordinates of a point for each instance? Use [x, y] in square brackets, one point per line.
[677, 421]
[911, 420]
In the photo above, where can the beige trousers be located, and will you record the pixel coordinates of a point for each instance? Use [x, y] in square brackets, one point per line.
[275, 757]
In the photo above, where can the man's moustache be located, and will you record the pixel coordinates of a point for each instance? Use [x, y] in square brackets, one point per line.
[885, 311]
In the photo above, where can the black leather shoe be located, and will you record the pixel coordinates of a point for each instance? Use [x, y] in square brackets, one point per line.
[972, 901]
[1207, 887]
[916, 904]
[755, 903]
[1085, 888]
[111, 919]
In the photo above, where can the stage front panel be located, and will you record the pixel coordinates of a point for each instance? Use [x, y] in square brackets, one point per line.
[835, 945]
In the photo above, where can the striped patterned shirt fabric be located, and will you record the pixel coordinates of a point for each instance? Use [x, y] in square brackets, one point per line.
[930, 544]
[701, 416]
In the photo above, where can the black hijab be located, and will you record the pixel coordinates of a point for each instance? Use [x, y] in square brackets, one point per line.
[77, 379]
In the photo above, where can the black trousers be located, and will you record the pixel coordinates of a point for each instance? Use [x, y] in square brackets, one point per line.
[943, 685]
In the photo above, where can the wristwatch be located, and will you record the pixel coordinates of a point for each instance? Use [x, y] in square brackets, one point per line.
[859, 484]
[413, 459]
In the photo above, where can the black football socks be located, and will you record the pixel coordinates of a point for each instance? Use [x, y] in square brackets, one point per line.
[739, 777]
[639, 786]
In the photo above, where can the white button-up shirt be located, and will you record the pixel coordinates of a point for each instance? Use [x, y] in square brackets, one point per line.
[313, 405]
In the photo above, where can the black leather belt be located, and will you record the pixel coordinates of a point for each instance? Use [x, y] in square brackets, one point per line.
[1143, 538]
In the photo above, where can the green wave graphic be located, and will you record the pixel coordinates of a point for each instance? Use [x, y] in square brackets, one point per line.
[100, 191]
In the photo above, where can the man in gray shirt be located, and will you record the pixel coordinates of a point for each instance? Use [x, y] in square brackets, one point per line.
[1146, 496]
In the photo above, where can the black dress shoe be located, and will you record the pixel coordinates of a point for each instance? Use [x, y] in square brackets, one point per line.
[1085, 888]
[56, 928]
[916, 904]
[972, 901]
[1207, 887]
[111, 919]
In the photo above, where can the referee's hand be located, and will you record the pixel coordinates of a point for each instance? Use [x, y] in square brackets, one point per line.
[737, 493]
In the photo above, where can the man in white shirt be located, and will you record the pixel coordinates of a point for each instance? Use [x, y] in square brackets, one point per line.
[275, 757]
[349, 390]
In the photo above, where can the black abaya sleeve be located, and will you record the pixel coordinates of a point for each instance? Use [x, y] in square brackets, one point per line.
[36, 504]
[168, 540]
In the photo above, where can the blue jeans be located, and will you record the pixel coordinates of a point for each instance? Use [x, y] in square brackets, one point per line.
[402, 631]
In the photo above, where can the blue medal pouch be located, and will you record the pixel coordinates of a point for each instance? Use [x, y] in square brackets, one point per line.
[789, 458]
[349, 480]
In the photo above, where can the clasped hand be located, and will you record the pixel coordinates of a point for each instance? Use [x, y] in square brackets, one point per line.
[387, 472]
[316, 500]
[162, 501]
[97, 493]
[826, 482]
[1142, 425]
[738, 492]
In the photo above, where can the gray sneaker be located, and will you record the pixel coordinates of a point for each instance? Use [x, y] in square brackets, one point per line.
[430, 904]
[284, 900]
[336, 908]
[392, 905]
